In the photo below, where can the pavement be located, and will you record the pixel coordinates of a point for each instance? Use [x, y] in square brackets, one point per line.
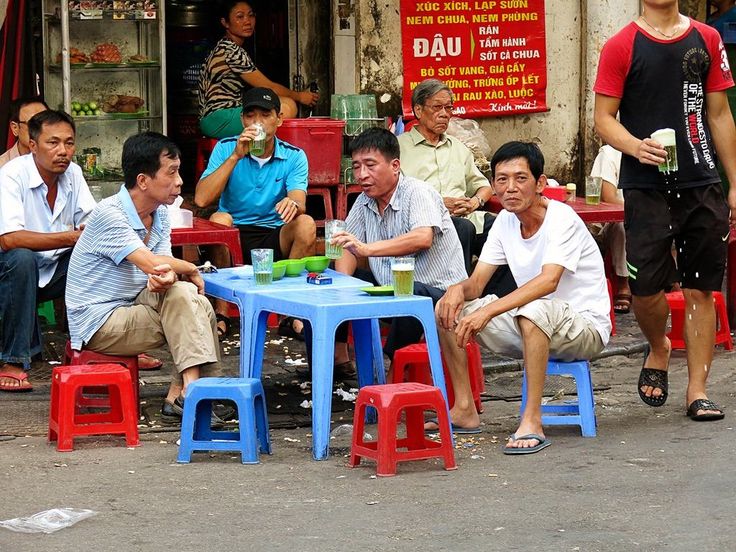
[651, 480]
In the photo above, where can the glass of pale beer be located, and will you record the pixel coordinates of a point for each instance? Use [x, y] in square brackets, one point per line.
[402, 274]
[666, 137]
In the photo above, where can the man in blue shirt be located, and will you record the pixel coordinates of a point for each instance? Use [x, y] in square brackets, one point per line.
[263, 195]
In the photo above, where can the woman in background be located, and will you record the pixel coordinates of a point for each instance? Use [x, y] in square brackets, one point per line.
[229, 69]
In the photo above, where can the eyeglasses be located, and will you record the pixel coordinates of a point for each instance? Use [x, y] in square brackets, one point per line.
[436, 108]
[22, 122]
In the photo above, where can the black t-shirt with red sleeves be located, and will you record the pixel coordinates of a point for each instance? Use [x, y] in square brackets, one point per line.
[662, 84]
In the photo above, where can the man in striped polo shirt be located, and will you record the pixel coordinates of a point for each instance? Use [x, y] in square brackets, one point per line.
[125, 291]
[396, 216]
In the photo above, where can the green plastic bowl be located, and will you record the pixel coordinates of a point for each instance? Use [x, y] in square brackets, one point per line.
[294, 267]
[316, 264]
[279, 269]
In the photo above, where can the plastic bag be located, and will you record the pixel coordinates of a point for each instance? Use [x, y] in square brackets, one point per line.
[347, 429]
[48, 521]
[469, 133]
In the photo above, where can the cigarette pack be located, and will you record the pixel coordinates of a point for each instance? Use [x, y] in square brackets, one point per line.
[318, 279]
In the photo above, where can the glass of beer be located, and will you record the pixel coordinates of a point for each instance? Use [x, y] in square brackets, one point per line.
[258, 145]
[593, 190]
[332, 227]
[402, 274]
[262, 265]
[666, 137]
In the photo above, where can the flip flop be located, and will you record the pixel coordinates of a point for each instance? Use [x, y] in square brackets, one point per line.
[622, 303]
[455, 429]
[286, 329]
[147, 362]
[704, 404]
[543, 443]
[225, 320]
[652, 378]
[15, 388]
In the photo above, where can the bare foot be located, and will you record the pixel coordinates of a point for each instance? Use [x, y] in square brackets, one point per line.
[526, 428]
[464, 419]
[17, 371]
[658, 359]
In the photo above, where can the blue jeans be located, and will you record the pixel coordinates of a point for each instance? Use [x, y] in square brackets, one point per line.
[19, 298]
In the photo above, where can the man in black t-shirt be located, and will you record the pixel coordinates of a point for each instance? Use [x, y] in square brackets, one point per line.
[665, 70]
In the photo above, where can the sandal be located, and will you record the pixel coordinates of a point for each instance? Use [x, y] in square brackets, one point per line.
[650, 377]
[622, 303]
[704, 404]
[286, 329]
[223, 332]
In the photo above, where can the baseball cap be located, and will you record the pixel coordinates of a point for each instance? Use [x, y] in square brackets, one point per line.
[261, 97]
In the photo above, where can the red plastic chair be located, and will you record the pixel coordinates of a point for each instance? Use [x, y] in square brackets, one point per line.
[412, 363]
[205, 145]
[390, 400]
[67, 422]
[676, 301]
[325, 192]
[73, 357]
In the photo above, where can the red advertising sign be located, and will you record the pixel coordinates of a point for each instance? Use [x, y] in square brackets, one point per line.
[491, 53]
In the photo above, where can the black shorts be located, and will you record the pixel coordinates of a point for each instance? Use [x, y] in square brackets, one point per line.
[260, 237]
[695, 219]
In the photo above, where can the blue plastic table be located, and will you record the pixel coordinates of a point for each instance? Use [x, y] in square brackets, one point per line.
[237, 285]
[326, 308]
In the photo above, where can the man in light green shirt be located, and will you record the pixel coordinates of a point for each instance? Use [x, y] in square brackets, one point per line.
[443, 161]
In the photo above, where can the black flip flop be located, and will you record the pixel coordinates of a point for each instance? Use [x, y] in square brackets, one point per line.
[225, 320]
[649, 377]
[704, 404]
[286, 329]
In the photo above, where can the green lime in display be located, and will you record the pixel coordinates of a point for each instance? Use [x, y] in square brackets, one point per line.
[98, 112]
[76, 106]
[93, 106]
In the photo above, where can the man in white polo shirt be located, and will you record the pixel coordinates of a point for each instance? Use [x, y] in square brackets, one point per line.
[124, 294]
[44, 201]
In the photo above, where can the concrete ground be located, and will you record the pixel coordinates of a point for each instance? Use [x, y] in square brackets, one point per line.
[651, 480]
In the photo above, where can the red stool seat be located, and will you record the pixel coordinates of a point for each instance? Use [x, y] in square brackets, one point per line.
[67, 422]
[72, 357]
[676, 301]
[205, 145]
[389, 401]
[325, 192]
[412, 363]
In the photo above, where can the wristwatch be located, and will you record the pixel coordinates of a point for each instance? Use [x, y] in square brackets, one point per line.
[481, 201]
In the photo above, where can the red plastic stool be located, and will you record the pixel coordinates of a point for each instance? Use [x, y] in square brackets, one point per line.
[412, 363]
[676, 300]
[343, 193]
[389, 400]
[325, 192]
[65, 420]
[205, 145]
[72, 357]
[611, 312]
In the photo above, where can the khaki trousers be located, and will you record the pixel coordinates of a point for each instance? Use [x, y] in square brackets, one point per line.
[181, 318]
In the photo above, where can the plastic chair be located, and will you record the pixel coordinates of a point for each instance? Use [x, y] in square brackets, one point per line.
[676, 301]
[46, 310]
[205, 145]
[412, 363]
[73, 357]
[390, 400]
[580, 412]
[325, 192]
[67, 422]
[343, 193]
[731, 278]
[611, 313]
[250, 400]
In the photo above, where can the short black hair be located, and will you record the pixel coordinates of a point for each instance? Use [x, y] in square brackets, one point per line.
[378, 139]
[48, 117]
[142, 155]
[226, 6]
[515, 150]
[19, 103]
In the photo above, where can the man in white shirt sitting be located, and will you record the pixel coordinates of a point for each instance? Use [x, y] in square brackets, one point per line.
[21, 111]
[559, 310]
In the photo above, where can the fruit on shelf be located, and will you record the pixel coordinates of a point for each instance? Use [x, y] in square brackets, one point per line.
[122, 104]
[85, 109]
[106, 53]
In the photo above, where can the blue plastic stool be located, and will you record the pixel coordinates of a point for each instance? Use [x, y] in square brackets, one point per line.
[196, 433]
[580, 412]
